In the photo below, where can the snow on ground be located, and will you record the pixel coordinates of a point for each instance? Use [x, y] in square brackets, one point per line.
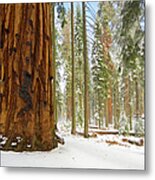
[78, 152]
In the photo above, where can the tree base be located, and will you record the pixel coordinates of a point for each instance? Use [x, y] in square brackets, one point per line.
[27, 145]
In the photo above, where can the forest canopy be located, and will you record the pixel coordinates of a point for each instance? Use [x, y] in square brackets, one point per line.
[112, 78]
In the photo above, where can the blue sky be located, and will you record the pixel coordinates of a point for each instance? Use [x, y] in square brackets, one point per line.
[93, 4]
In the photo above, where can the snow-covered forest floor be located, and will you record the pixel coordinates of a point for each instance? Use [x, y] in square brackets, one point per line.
[79, 152]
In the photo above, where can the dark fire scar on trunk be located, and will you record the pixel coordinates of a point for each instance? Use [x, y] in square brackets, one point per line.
[25, 95]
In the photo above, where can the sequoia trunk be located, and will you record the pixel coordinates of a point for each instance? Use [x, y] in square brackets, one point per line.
[26, 103]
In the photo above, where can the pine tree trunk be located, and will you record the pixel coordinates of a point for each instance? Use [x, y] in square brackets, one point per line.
[106, 114]
[137, 98]
[130, 106]
[127, 96]
[73, 131]
[99, 111]
[26, 103]
[69, 108]
[117, 107]
[114, 107]
[54, 66]
[86, 115]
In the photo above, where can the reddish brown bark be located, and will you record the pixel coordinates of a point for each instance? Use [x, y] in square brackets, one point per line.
[26, 105]
[110, 106]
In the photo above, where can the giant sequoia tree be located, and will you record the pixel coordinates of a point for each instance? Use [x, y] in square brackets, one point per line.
[26, 101]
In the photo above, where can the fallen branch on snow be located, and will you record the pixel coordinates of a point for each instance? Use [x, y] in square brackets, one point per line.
[138, 142]
[91, 135]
